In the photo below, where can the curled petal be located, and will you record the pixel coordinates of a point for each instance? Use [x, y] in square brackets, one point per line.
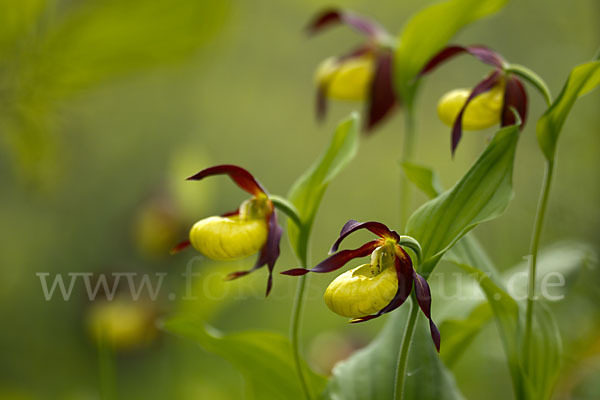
[515, 96]
[321, 102]
[268, 254]
[337, 260]
[485, 85]
[484, 54]
[239, 175]
[352, 226]
[423, 294]
[335, 16]
[404, 273]
[381, 98]
[180, 246]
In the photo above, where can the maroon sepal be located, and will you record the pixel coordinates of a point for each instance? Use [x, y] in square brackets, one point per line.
[484, 86]
[179, 247]
[423, 294]
[239, 175]
[268, 254]
[231, 213]
[404, 273]
[335, 16]
[484, 54]
[515, 97]
[352, 226]
[337, 260]
[381, 99]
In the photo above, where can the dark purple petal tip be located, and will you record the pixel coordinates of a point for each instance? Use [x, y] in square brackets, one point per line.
[179, 247]
[296, 272]
[336, 16]
[351, 226]
[484, 54]
[239, 175]
[423, 294]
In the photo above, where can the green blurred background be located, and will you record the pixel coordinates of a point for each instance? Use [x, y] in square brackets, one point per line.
[106, 107]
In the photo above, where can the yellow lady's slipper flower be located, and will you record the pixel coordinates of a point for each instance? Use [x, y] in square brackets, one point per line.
[374, 289]
[346, 80]
[481, 113]
[248, 230]
[491, 101]
[364, 74]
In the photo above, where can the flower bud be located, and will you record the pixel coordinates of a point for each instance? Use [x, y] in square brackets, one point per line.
[360, 292]
[482, 112]
[229, 238]
[347, 79]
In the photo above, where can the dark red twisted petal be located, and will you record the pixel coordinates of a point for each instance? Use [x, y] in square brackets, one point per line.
[514, 96]
[484, 86]
[179, 247]
[484, 54]
[337, 260]
[404, 273]
[352, 226]
[239, 175]
[335, 16]
[231, 213]
[423, 294]
[381, 99]
[268, 254]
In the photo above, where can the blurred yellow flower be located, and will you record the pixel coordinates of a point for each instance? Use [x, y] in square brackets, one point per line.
[482, 112]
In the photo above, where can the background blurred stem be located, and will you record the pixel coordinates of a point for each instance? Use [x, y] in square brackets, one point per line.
[295, 324]
[535, 242]
[106, 371]
[409, 330]
[407, 155]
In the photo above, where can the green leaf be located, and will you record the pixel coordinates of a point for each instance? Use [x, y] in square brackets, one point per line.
[17, 19]
[423, 178]
[546, 354]
[582, 80]
[429, 31]
[308, 190]
[482, 194]
[264, 358]
[370, 372]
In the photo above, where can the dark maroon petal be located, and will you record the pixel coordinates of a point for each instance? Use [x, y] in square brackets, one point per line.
[231, 213]
[404, 273]
[483, 53]
[337, 260]
[423, 294]
[484, 86]
[381, 97]
[268, 255]
[335, 16]
[352, 226]
[321, 109]
[240, 176]
[514, 96]
[179, 247]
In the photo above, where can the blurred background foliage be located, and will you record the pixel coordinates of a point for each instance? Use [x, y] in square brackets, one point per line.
[107, 105]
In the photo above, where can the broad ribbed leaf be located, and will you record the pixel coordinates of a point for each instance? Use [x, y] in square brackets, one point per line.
[423, 178]
[308, 190]
[482, 194]
[582, 80]
[264, 359]
[370, 372]
[429, 31]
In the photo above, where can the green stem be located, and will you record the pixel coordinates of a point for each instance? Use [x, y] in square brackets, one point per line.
[295, 326]
[535, 243]
[409, 330]
[106, 369]
[408, 149]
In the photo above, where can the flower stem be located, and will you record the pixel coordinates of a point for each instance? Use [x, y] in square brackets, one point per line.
[295, 329]
[407, 155]
[409, 330]
[535, 242]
